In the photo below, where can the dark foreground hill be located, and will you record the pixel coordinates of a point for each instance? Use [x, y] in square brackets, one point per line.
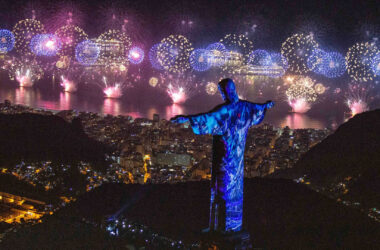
[279, 214]
[351, 156]
[33, 137]
[11, 184]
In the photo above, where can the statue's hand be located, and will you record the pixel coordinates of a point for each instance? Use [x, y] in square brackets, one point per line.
[269, 104]
[179, 119]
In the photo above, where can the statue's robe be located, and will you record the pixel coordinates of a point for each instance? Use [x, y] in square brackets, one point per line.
[229, 124]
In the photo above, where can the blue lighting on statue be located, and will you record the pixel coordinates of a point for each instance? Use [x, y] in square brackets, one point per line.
[229, 124]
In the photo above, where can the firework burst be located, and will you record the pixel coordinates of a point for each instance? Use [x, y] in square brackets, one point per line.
[238, 49]
[357, 98]
[211, 88]
[319, 88]
[335, 65]
[117, 35]
[153, 58]
[301, 94]
[87, 52]
[179, 87]
[45, 45]
[358, 59]
[68, 85]
[114, 46]
[69, 73]
[70, 36]
[114, 91]
[7, 41]
[199, 60]
[216, 54]
[24, 70]
[297, 49]
[316, 61]
[136, 55]
[24, 31]
[259, 57]
[153, 81]
[376, 64]
[173, 53]
[112, 79]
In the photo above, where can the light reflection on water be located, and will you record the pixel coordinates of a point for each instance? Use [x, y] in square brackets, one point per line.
[65, 101]
[111, 106]
[35, 98]
[25, 96]
[296, 121]
[173, 110]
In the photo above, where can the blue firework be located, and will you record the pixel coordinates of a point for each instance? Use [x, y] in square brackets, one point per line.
[152, 54]
[334, 65]
[316, 61]
[87, 52]
[216, 55]
[45, 45]
[217, 46]
[7, 41]
[279, 60]
[199, 60]
[259, 57]
[169, 54]
[136, 55]
[375, 65]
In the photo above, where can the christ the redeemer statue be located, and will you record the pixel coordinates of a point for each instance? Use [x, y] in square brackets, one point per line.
[228, 123]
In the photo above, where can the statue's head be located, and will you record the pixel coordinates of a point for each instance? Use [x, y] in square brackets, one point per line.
[228, 90]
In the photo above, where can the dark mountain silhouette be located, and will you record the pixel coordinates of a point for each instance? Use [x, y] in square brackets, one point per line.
[351, 155]
[58, 233]
[33, 137]
[278, 213]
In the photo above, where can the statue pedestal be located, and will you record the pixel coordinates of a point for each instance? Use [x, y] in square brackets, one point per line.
[236, 240]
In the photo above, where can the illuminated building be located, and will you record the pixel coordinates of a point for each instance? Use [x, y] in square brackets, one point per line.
[17, 208]
[156, 117]
[172, 159]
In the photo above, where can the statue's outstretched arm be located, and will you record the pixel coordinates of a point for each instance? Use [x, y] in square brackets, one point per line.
[266, 105]
[258, 111]
[212, 122]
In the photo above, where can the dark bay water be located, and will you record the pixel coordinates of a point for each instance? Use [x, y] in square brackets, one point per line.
[137, 104]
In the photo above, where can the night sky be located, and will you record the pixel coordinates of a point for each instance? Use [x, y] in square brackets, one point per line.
[336, 24]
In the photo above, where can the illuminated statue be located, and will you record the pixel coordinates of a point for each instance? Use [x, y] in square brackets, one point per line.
[228, 123]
